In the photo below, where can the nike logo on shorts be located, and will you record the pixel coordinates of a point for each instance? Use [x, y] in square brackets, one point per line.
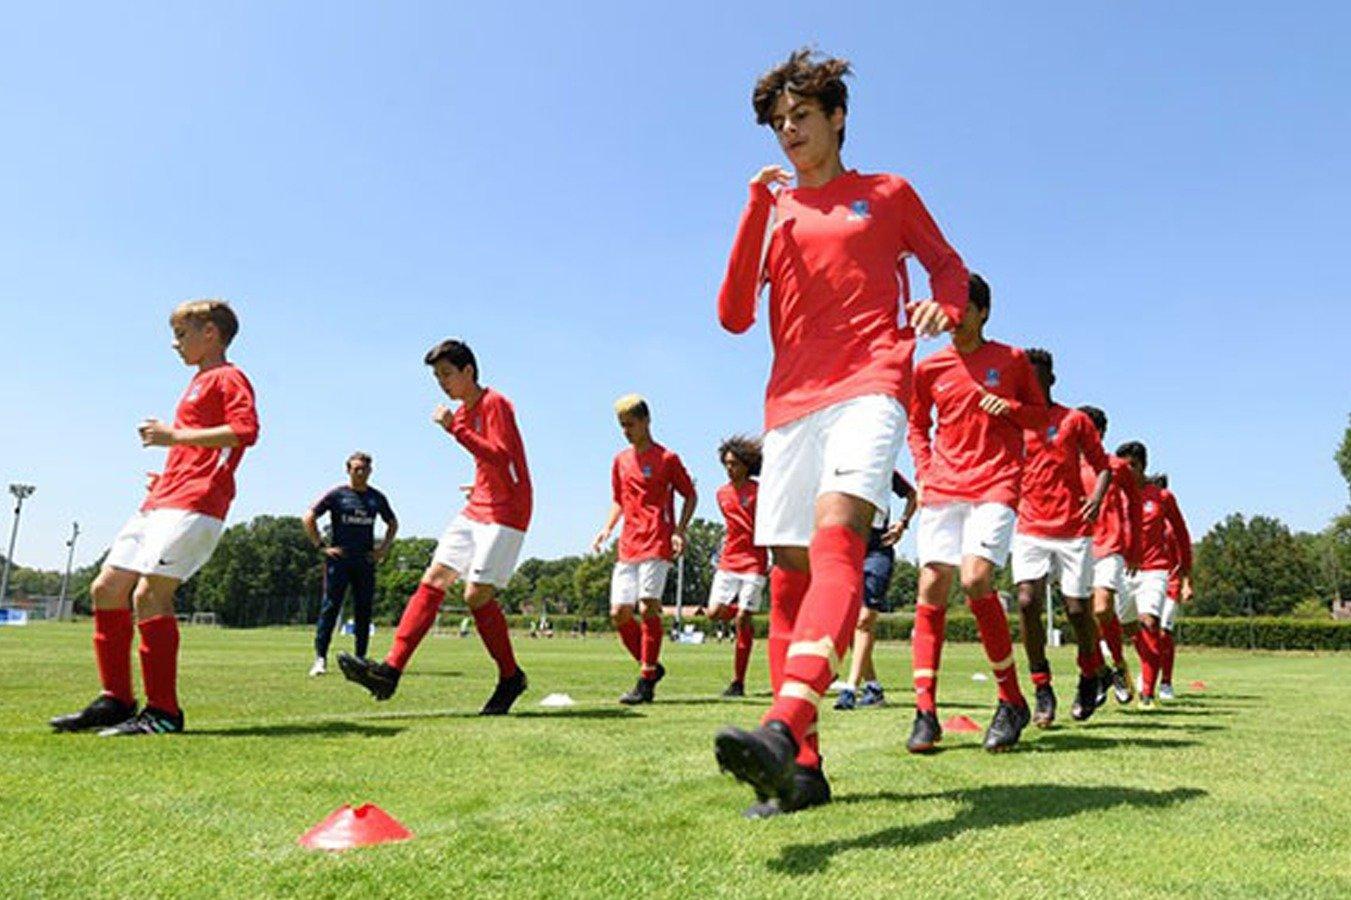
[839, 472]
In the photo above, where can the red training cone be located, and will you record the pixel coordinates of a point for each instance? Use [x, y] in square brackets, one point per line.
[1198, 685]
[360, 827]
[961, 723]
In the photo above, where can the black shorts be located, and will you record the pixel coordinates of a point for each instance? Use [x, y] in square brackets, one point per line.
[877, 566]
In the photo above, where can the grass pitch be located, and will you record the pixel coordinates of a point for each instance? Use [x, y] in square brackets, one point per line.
[1242, 790]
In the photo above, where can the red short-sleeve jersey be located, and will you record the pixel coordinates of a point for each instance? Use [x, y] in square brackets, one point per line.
[644, 485]
[739, 552]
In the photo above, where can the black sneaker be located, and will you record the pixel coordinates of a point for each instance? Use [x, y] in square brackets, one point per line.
[763, 758]
[735, 689]
[1086, 698]
[1121, 686]
[1104, 686]
[924, 733]
[381, 679]
[810, 788]
[508, 689]
[1045, 714]
[641, 693]
[1006, 726]
[150, 721]
[104, 712]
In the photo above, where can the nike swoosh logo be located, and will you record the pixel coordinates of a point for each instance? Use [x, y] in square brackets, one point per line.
[165, 562]
[839, 472]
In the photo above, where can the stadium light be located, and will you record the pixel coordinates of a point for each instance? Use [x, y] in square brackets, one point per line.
[20, 492]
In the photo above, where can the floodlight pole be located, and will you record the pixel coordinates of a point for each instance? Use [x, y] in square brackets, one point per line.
[680, 592]
[20, 492]
[65, 579]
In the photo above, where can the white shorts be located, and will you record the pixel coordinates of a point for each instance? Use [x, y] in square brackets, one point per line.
[174, 543]
[1148, 590]
[1169, 614]
[642, 580]
[949, 531]
[1071, 558]
[479, 552]
[847, 448]
[746, 589]
[1110, 573]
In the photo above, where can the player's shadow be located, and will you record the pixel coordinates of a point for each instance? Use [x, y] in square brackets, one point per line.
[302, 729]
[603, 712]
[434, 673]
[1155, 726]
[1070, 741]
[995, 806]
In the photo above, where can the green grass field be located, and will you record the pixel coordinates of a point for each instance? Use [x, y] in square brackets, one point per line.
[1242, 790]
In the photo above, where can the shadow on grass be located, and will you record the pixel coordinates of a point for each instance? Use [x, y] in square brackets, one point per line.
[1154, 725]
[433, 673]
[298, 729]
[982, 808]
[1069, 741]
[605, 712]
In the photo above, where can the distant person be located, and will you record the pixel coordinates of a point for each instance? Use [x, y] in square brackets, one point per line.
[351, 556]
[175, 531]
[739, 582]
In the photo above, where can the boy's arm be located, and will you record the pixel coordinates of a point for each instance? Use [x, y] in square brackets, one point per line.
[155, 433]
[616, 510]
[947, 273]
[920, 421]
[1180, 534]
[1091, 450]
[488, 447]
[741, 284]
[684, 486]
[391, 528]
[1135, 514]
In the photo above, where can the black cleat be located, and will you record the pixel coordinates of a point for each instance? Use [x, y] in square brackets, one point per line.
[1045, 714]
[150, 721]
[1121, 686]
[1006, 726]
[1086, 698]
[735, 689]
[104, 712]
[924, 733]
[763, 758]
[810, 788]
[1104, 686]
[381, 679]
[508, 689]
[645, 690]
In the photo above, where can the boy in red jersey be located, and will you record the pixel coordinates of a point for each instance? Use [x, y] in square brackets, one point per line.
[1056, 511]
[175, 531]
[832, 249]
[1116, 552]
[1149, 586]
[969, 474]
[739, 582]
[1167, 645]
[480, 545]
[643, 482]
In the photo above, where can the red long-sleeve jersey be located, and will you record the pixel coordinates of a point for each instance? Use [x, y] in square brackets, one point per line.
[1160, 514]
[974, 456]
[202, 479]
[739, 552]
[502, 493]
[644, 485]
[834, 259]
[1053, 489]
[1118, 529]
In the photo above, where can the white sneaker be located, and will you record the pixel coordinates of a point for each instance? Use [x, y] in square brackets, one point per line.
[1166, 692]
[320, 667]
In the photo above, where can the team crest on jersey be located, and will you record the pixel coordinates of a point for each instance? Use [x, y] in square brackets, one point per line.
[647, 471]
[1149, 506]
[859, 210]
[992, 377]
[1051, 432]
[194, 393]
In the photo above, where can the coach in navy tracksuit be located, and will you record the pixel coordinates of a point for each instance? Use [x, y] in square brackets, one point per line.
[352, 554]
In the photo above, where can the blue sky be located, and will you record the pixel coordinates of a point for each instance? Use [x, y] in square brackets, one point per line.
[1157, 192]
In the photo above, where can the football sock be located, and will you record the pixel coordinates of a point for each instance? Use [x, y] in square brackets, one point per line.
[159, 662]
[1148, 644]
[1111, 633]
[417, 619]
[787, 587]
[745, 640]
[1167, 651]
[993, 626]
[112, 652]
[926, 650]
[492, 628]
[651, 648]
[631, 635]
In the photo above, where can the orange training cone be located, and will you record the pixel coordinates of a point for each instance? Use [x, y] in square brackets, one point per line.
[347, 827]
[961, 723]
[1198, 685]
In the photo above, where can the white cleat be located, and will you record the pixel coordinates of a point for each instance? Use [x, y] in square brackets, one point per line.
[1166, 692]
[320, 667]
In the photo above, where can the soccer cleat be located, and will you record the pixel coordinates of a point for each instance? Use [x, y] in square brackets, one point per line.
[1121, 686]
[380, 678]
[873, 695]
[320, 667]
[149, 721]
[1086, 698]
[505, 694]
[735, 689]
[1104, 686]
[104, 712]
[1045, 713]
[810, 788]
[846, 699]
[925, 732]
[645, 690]
[1006, 726]
[763, 758]
[1166, 692]
[1146, 702]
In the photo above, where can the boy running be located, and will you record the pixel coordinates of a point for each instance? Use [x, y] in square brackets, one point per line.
[1167, 645]
[739, 582]
[644, 480]
[480, 545]
[832, 249]
[969, 473]
[174, 532]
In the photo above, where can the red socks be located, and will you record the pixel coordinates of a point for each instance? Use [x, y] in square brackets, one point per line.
[112, 652]
[1111, 633]
[787, 587]
[993, 625]
[824, 629]
[492, 628]
[745, 640]
[651, 648]
[417, 619]
[1041, 677]
[724, 613]
[1167, 650]
[159, 662]
[631, 635]
[1147, 642]
[926, 649]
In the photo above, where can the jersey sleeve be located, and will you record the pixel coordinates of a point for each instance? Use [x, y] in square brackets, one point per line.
[489, 447]
[1183, 538]
[383, 508]
[1090, 443]
[1135, 515]
[947, 273]
[615, 487]
[1027, 406]
[680, 479]
[920, 424]
[741, 284]
[240, 413]
[323, 505]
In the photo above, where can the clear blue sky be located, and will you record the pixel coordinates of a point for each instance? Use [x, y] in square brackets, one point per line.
[1158, 192]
